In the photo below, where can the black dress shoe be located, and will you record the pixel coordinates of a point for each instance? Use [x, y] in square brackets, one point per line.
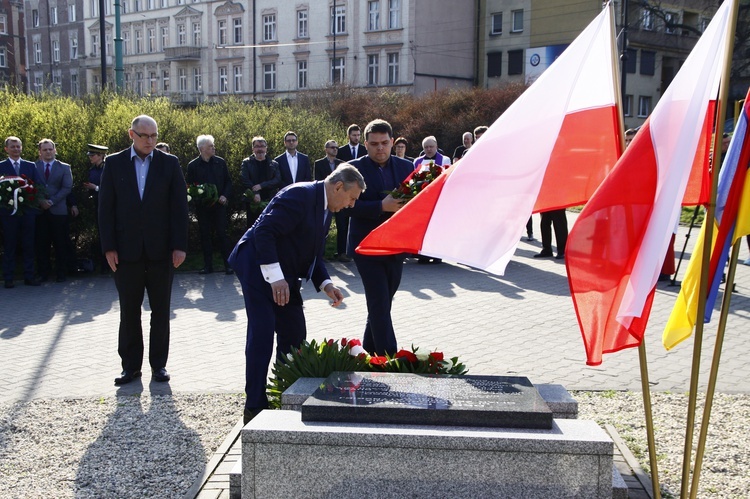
[61, 279]
[543, 254]
[127, 376]
[160, 375]
[249, 414]
[559, 256]
[32, 282]
[205, 270]
[228, 271]
[9, 284]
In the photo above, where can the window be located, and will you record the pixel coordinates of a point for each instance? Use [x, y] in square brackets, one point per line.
[704, 24]
[163, 3]
[138, 6]
[269, 76]
[237, 79]
[630, 62]
[644, 106]
[34, 18]
[124, 6]
[373, 62]
[197, 79]
[394, 14]
[150, 4]
[138, 41]
[647, 20]
[3, 59]
[223, 80]
[95, 9]
[164, 37]
[180, 2]
[56, 80]
[71, 13]
[181, 34]
[37, 53]
[182, 79]
[151, 40]
[301, 74]
[196, 34]
[74, 84]
[38, 83]
[494, 64]
[627, 105]
[393, 59]
[338, 19]
[165, 81]
[516, 20]
[56, 50]
[374, 15]
[648, 62]
[515, 62]
[269, 28]
[128, 83]
[302, 31]
[237, 25]
[670, 19]
[222, 32]
[497, 24]
[138, 83]
[108, 44]
[125, 42]
[3, 24]
[152, 82]
[73, 47]
[53, 15]
[337, 70]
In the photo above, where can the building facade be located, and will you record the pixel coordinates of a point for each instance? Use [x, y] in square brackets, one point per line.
[12, 44]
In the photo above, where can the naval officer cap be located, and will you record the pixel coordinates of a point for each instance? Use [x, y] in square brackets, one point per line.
[97, 149]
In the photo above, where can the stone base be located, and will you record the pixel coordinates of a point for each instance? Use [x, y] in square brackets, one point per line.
[284, 457]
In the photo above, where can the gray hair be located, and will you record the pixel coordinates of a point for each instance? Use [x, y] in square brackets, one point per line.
[467, 134]
[203, 140]
[429, 139]
[258, 138]
[347, 174]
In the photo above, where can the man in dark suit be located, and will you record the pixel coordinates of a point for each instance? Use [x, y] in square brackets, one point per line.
[293, 165]
[285, 245]
[20, 226]
[96, 154]
[260, 175]
[52, 223]
[143, 225]
[323, 167]
[353, 149]
[381, 275]
[208, 168]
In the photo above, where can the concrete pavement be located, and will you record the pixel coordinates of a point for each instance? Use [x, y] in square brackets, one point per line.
[60, 340]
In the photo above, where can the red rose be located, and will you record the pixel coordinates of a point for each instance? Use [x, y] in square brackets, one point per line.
[378, 360]
[330, 343]
[354, 342]
[343, 342]
[405, 189]
[421, 187]
[436, 356]
[405, 354]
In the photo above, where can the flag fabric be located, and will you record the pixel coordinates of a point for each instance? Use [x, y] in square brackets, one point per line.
[617, 246]
[730, 223]
[550, 149]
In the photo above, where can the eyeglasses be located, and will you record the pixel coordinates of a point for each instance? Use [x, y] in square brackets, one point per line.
[146, 136]
[332, 147]
[290, 139]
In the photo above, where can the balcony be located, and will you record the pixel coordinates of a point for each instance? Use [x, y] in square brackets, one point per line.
[183, 53]
[186, 98]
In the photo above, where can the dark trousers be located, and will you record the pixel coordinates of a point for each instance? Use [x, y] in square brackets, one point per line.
[132, 279]
[560, 222]
[342, 231]
[381, 276]
[264, 318]
[51, 231]
[212, 221]
[18, 228]
[530, 227]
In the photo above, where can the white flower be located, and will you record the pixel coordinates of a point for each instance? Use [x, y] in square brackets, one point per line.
[200, 191]
[423, 356]
[10, 202]
[20, 199]
[356, 350]
[189, 198]
[9, 189]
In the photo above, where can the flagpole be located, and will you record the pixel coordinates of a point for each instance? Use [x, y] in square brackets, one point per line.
[649, 420]
[616, 77]
[729, 284]
[706, 256]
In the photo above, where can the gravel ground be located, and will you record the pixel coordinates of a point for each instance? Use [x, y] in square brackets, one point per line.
[142, 446]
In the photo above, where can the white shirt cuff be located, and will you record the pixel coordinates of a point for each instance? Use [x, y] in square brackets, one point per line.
[325, 283]
[272, 272]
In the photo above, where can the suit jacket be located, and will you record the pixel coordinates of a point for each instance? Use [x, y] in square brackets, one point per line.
[215, 173]
[304, 169]
[323, 167]
[26, 168]
[291, 231]
[367, 212]
[345, 152]
[153, 226]
[58, 186]
[266, 174]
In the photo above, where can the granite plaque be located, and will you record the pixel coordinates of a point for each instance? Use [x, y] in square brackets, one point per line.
[428, 399]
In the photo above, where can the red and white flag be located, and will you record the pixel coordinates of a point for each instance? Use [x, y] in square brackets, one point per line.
[550, 149]
[617, 246]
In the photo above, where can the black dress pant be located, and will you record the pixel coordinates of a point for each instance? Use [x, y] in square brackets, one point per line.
[18, 228]
[213, 220]
[132, 279]
[342, 231]
[52, 230]
[560, 222]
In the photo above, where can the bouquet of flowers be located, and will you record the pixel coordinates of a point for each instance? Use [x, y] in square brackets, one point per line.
[417, 181]
[203, 194]
[249, 197]
[311, 360]
[18, 194]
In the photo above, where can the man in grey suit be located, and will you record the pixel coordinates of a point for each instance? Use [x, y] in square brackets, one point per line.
[143, 225]
[52, 222]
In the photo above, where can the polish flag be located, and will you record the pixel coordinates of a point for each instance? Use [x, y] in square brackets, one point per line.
[617, 245]
[550, 149]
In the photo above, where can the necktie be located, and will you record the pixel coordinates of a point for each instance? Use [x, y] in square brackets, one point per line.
[46, 172]
[354, 152]
[15, 167]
